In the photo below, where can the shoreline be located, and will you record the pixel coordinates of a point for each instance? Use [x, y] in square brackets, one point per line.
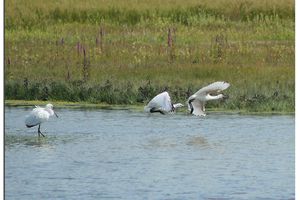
[137, 107]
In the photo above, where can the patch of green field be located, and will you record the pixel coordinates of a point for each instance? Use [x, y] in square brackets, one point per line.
[125, 52]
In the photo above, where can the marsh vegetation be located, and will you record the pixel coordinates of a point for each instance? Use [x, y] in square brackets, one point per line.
[125, 53]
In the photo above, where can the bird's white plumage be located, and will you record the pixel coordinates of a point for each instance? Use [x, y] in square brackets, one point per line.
[213, 88]
[39, 115]
[206, 93]
[162, 102]
[199, 109]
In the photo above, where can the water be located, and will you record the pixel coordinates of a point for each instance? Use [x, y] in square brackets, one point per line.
[123, 154]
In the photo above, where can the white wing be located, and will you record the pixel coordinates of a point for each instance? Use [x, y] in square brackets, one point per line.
[36, 116]
[161, 101]
[198, 108]
[214, 87]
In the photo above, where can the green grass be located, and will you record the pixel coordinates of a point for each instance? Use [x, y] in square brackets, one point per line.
[128, 57]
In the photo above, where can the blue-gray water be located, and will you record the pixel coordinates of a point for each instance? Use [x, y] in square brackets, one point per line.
[121, 154]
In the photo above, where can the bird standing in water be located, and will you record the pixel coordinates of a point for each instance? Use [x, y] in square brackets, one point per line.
[39, 115]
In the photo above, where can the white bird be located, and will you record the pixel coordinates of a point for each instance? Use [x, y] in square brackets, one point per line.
[196, 102]
[39, 115]
[162, 103]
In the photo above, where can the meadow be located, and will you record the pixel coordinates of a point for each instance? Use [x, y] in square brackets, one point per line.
[126, 52]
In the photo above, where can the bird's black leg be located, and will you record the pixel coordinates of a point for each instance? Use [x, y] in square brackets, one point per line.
[161, 112]
[153, 110]
[191, 105]
[173, 108]
[39, 131]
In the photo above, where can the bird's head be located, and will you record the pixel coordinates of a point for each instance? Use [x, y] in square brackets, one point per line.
[178, 105]
[225, 96]
[50, 107]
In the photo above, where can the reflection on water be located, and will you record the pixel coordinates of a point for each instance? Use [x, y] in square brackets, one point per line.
[195, 141]
[160, 143]
[121, 154]
[12, 141]
[198, 141]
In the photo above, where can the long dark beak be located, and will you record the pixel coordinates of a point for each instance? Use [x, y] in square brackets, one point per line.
[226, 96]
[55, 114]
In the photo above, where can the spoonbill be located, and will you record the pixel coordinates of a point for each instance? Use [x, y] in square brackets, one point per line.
[39, 115]
[162, 103]
[196, 102]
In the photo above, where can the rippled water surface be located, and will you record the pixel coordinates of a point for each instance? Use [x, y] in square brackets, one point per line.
[123, 154]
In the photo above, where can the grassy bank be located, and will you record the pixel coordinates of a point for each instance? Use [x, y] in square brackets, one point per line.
[73, 105]
[137, 107]
[125, 53]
